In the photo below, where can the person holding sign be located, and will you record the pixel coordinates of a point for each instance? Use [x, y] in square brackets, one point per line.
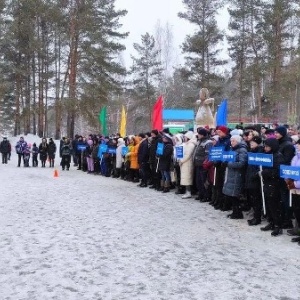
[164, 162]
[223, 141]
[252, 183]
[294, 187]
[186, 164]
[234, 177]
[271, 188]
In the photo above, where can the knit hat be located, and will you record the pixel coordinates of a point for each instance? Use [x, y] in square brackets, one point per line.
[281, 130]
[273, 144]
[90, 142]
[202, 131]
[189, 135]
[236, 132]
[238, 138]
[154, 131]
[121, 141]
[224, 129]
[257, 140]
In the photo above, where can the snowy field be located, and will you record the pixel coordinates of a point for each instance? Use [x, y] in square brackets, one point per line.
[88, 237]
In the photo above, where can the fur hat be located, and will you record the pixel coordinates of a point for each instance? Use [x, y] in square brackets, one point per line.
[236, 137]
[202, 131]
[189, 135]
[257, 140]
[281, 130]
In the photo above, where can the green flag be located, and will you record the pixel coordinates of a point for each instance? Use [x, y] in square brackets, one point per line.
[102, 120]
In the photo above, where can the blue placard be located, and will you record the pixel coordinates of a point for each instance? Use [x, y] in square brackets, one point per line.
[102, 149]
[81, 147]
[216, 153]
[160, 149]
[260, 159]
[290, 172]
[112, 150]
[179, 151]
[228, 156]
[124, 151]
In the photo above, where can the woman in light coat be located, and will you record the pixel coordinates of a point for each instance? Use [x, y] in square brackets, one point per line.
[119, 157]
[186, 164]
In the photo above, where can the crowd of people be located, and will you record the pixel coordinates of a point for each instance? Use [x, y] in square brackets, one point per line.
[181, 162]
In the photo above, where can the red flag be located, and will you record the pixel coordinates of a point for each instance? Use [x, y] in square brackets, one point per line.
[157, 119]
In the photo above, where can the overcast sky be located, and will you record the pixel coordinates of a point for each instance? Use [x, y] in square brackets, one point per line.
[143, 16]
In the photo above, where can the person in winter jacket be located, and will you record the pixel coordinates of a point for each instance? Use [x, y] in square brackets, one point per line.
[89, 156]
[165, 161]
[200, 157]
[35, 152]
[143, 160]
[132, 156]
[155, 175]
[20, 147]
[5, 149]
[27, 152]
[66, 153]
[271, 181]
[43, 150]
[234, 176]
[294, 186]
[287, 149]
[218, 196]
[80, 146]
[51, 152]
[178, 138]
[119, 157]
[252, 183]
[186, 164]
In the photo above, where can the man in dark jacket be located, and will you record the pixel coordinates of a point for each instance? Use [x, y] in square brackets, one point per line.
[200, 155]
[287, 149]
[5, 148]
[143, 160]
[224, 141]
[155, 176]
[51, 152]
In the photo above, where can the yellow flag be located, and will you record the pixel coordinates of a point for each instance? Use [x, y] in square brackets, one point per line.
[123, 122]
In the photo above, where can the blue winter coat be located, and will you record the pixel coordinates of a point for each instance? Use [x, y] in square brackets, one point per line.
[235, 172]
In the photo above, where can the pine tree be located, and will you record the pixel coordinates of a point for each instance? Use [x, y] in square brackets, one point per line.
[146, 71]
[202, 47]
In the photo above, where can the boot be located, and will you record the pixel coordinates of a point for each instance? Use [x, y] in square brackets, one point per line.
[166, 188]
[179, 190]
[162, 185]
[254, 222]
[226, 205]
[268, 227]
[187, 195]
[277, 231]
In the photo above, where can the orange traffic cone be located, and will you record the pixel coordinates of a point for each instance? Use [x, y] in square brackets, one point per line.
[55, 173]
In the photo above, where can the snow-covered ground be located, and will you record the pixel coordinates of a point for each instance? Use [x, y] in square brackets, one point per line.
[88, 237]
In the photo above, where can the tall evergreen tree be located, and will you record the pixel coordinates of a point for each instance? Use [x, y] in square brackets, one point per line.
[202, 47]
[146, 71]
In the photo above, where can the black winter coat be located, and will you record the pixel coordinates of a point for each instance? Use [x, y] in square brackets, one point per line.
[287, 149]
[165, 159]
[152, 150]
[143, 152]
[252, 180]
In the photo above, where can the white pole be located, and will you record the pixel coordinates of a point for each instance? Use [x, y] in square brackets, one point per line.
[157, 165]
[262, 191]
[291, 198]
[215, 175]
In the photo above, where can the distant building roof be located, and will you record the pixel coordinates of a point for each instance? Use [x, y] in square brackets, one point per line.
[178, 114]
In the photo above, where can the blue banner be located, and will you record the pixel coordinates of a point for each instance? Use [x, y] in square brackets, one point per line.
[81, 147]
[160, 149]
[228, 156]
[112, 150]
[124, 151]
[102, 149]
[290, 172]
[216, 153]
[260, 159]
[179, 151]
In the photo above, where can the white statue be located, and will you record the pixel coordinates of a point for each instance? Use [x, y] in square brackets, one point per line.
[204, 116]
